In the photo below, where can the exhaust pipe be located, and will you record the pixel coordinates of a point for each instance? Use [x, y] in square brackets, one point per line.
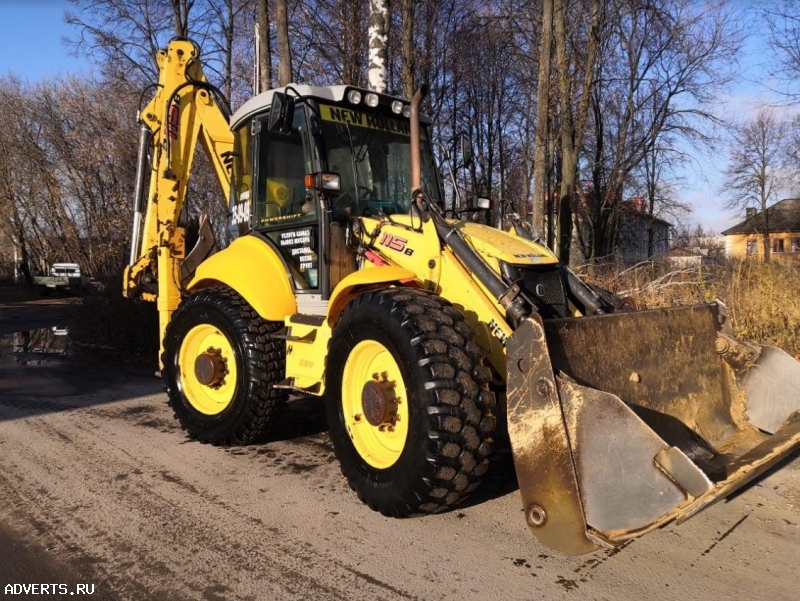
[416, 160]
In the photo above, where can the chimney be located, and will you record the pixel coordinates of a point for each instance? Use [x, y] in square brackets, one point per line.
[750, 212]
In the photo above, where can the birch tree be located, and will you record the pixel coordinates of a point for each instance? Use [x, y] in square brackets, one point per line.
[378, 35]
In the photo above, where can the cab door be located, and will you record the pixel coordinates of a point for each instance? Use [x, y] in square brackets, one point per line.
[284, 210]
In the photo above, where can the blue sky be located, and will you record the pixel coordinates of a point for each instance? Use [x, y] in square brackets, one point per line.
[31, 32]
[32, 48]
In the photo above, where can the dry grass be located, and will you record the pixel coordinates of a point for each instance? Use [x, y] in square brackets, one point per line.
[763, 299]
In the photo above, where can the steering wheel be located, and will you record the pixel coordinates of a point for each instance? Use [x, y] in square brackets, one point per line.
[347, 199]
[361, 193]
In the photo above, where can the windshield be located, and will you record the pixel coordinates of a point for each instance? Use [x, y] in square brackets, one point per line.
[372, 155]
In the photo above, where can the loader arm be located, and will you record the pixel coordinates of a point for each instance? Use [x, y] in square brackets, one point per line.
[184, 111]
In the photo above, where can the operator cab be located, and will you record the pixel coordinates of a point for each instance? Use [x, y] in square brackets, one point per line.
[307, 160]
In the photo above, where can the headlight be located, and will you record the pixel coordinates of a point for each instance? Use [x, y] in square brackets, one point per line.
[407, 111]
[397, 107]
[354, 96]
[371, 100]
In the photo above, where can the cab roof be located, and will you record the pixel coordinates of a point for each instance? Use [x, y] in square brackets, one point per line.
[335, 94]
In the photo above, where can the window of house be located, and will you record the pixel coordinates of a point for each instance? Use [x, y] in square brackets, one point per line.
[752, 247]
[777, 245]
[796, 245]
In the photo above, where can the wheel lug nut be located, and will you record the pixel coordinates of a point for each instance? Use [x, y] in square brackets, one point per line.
[357, 417]
[375, 376]
[385, 375]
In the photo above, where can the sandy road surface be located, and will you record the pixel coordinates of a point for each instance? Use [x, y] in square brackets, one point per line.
[100, 476]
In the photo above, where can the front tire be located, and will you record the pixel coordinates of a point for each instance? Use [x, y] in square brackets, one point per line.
[409, 410]
[220, 364]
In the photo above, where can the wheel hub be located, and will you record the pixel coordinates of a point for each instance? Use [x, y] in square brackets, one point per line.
[210, 367]
[379, 401]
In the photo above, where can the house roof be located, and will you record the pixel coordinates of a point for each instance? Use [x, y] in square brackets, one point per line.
[783, 216]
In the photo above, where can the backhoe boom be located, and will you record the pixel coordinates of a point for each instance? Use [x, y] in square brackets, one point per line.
[185, 110]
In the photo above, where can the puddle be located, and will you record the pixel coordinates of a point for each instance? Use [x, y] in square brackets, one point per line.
[36, 362]
[40, 347]
[47, 363]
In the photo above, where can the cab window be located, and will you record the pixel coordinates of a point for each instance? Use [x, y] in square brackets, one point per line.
[283, 162]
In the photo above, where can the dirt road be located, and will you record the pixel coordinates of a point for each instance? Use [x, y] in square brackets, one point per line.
[96, 474]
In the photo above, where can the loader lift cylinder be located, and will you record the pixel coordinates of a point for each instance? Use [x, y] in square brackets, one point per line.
[145, 136]
[516, 308]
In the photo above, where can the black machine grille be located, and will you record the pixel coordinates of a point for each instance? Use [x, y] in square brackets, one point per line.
[545, 288]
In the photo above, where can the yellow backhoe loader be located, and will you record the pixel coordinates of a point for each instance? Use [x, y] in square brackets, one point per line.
[344, 279]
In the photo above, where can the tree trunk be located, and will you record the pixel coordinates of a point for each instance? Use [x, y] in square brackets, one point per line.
[229, 36]
[264, 64]
[569, 158]
[284, 49]
[542, 120]
[378, 39]
[572, 128]
[765, 235]
[407, 72]
[180, 16]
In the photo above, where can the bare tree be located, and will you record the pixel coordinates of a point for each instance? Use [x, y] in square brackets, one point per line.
[124, 36]
[754, 173]
[68, 180]
[782, 18]
[572, 125]
[661, 66]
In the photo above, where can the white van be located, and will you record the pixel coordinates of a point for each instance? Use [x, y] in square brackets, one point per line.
[66, 270]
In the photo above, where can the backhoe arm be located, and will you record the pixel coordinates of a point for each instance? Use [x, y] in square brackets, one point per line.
[184, 110]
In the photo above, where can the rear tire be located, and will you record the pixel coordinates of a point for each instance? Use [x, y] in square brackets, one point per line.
[443, 385]
[244, 405]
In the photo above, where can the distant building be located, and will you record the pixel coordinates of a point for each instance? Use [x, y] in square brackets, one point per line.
[783, 219]
[633, 224]
[633, 233]
[682, 257]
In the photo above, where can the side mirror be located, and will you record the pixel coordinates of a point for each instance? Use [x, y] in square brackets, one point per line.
[281, 114]
[484, 203]
[466, 150]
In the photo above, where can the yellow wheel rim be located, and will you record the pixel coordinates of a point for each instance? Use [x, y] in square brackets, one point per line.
[380, 445]
[209, 399]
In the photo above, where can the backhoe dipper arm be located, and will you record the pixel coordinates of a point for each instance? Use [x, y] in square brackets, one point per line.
[185, 110]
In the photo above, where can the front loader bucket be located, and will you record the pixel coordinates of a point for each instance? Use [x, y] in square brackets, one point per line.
[622, 423]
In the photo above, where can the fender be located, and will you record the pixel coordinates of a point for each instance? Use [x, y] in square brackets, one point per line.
[352, 285]
[251, 267]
